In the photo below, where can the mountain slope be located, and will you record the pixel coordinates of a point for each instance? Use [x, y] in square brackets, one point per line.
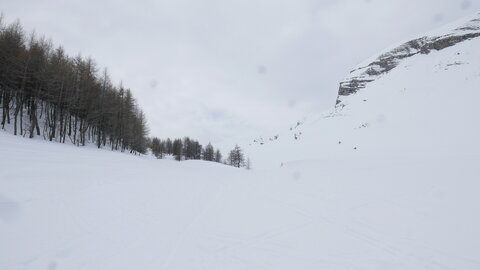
[361, 76]
[426, 104]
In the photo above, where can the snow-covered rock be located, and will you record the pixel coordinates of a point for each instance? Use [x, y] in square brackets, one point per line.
[439, 40]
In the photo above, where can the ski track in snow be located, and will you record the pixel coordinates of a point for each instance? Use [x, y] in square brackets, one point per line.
[180, 239]
[214, 217]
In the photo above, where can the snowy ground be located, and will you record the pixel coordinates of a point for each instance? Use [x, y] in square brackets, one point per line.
[406, 198]
[67, 208]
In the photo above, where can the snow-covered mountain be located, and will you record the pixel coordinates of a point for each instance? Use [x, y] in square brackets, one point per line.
[359, 78]
[387, 180]
[420, 96]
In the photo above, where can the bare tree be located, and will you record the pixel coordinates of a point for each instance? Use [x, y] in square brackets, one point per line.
[209, 153]
[50, 94]
[236, 157]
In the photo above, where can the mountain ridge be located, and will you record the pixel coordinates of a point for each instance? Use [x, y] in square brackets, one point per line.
[385, 62]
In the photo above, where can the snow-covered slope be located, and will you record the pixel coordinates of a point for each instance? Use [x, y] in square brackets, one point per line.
[426, 104]
[371, 70]
[388, 181]
[63, 207]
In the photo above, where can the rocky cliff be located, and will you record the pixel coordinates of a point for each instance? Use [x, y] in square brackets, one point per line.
[361, 76]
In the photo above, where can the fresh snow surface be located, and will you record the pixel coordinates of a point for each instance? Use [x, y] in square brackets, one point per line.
[63, 207]
[406, 198]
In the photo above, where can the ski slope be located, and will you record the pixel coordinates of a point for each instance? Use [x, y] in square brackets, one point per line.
[389, 181]
[67, 208]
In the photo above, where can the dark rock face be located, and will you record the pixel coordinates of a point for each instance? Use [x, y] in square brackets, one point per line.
[351, 86]
[360, 77]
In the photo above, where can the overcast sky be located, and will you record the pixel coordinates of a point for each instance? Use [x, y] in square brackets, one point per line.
[229, 70]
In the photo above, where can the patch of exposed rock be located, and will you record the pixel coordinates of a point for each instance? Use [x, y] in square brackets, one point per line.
[360, 77]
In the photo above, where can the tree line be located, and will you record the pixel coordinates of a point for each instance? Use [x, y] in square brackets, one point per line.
[184, 149]
[187, 148]
[45, 92]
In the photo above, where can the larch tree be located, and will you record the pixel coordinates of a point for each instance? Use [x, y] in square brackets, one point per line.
[236, 157]
[44, 92]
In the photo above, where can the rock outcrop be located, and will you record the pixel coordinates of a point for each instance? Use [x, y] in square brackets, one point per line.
[363, 75]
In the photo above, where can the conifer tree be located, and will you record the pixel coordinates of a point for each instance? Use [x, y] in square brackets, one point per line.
[236, 157]
[209, 153]
[177, 149]
[218, 156]
[44, 92]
